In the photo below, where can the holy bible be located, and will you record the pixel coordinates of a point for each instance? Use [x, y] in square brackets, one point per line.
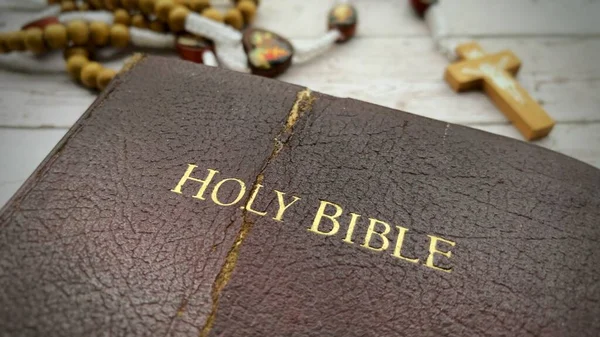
[195, 201]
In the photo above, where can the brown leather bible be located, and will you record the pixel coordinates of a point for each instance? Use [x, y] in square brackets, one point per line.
[195, 201]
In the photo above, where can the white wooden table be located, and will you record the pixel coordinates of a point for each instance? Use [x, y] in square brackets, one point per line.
[392, 62]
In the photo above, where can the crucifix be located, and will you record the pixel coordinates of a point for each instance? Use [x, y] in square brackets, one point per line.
[495, 72]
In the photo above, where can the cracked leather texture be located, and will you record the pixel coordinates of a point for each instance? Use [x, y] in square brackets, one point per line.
[94, 244]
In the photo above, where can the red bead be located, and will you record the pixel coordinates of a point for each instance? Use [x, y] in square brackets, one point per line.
[191, 48]
[421, 6]
[344, 18]
[41, 23]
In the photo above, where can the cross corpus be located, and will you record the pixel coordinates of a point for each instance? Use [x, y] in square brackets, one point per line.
[495, 72]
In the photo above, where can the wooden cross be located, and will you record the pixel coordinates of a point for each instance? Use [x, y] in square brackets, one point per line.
[495, 72]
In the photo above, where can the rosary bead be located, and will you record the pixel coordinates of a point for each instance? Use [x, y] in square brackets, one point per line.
[119, 35]
[55, 36]
[199, 5]
[71, 51]
[99, 33]
[234, 18]
[67, 6]
[78, 32]
[139, 21]
[344, 18]
[177, 18]
[75, 64]
[213, 14]
[147, 6]
[157, 26]
[122, 17]
[248, 9]
[104, 77]
[89, 74]
[163, 8]
[34, 40]
[16, 41]
[129, 4]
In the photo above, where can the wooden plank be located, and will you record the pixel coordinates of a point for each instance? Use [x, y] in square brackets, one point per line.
[29, 100]
[22, 151]
[516, 17]
[402, 73]
[387, 18]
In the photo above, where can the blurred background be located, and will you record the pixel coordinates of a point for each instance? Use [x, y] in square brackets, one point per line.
[396, 60]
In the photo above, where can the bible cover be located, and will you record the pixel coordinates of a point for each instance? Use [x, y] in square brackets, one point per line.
[195, 201]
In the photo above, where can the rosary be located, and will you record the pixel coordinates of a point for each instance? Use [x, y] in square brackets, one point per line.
[199, 32]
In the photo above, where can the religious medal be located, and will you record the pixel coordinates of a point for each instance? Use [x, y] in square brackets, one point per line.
[268, 53]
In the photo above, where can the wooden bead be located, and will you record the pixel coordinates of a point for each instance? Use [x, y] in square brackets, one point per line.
[122, 17]
[158, 26]
[75, 64]
[119, 35]
[34, 40]
[104, 77]
[129, 4]
[177, 18]
[199, 5]
[234, 18]
[99, 33]
[67, 6]
[55, 36]
[78, 32]
[248, 9]
[213, 14]
[15, 41]
[163, 8]
[147, 6]
[76, 51]
[89, 74]
[139, 21]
